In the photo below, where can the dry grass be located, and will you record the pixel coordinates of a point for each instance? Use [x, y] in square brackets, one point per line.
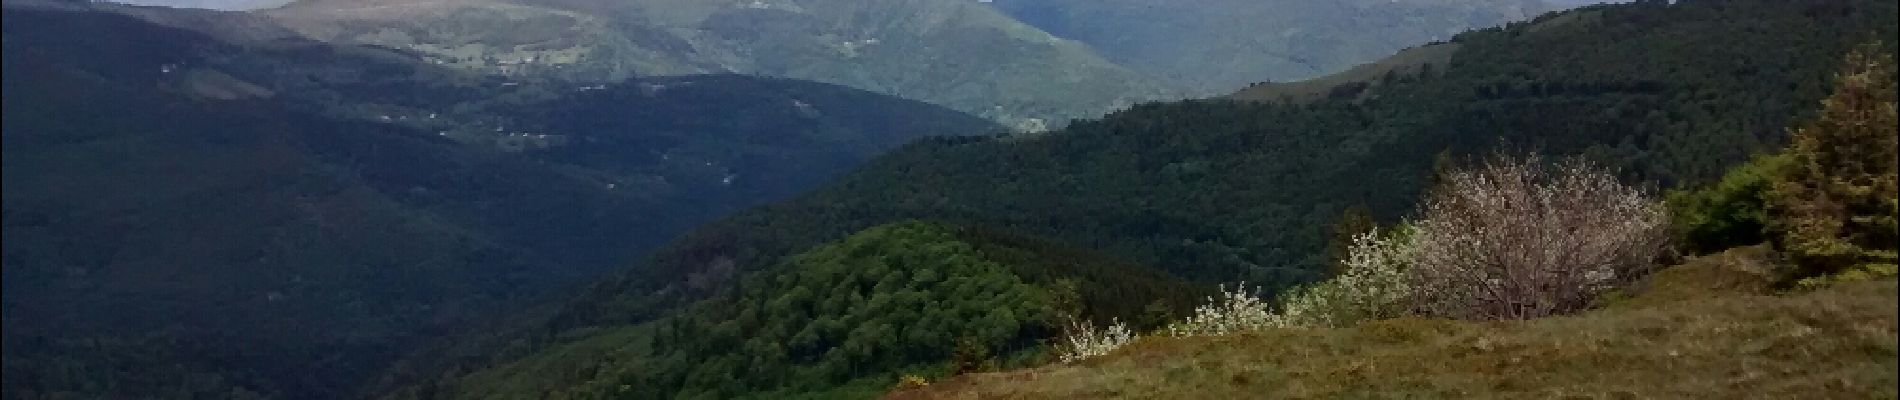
[1707, 329]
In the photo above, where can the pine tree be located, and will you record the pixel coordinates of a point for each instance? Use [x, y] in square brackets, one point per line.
[1834, 209]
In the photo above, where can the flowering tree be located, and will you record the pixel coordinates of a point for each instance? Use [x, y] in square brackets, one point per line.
[1084, 341]
[1518, 238]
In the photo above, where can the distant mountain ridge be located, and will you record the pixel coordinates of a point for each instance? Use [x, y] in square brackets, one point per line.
[1214, 46]
[1028, 64]
[956, 53]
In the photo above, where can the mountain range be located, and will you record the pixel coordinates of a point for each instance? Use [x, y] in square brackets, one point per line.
[1215, 46]
[1029, 65]
[1228, 189]
[778, 198]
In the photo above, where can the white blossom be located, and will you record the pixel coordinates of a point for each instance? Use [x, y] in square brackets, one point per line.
[1084, 341]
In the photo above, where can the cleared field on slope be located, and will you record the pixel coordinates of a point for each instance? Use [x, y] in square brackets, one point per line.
[1352, 82]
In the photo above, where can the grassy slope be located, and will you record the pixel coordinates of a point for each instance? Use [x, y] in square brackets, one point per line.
[1410, 61]
[1706, 329]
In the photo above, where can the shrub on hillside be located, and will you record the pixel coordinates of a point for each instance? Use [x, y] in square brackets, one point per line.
[1731, 213]
[1234, 311]
[1372, 284]
[1518, 238]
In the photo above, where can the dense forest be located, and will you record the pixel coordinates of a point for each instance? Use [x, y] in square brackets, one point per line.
[1221, 190]
[844, 318]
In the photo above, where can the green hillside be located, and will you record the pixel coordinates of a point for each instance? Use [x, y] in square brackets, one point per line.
[1219, 190]
[146, 230]
[425, 206]
[1450, 303]
[222, 210]
[842, 319]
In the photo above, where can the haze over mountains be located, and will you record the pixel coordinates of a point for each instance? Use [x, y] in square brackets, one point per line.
[1211, 47]
[1028, 65]
[778, 198]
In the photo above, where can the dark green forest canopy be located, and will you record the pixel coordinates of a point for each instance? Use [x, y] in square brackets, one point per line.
[843, 318]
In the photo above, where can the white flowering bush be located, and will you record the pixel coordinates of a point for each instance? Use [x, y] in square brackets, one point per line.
[1233, 311]
[1518, 238]
[1085, 341]
[1373, 284]
[1513, 239]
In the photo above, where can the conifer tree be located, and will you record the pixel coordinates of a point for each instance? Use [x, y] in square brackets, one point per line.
[1834, 208]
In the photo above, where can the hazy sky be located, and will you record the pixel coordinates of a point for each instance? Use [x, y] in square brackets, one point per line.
[211, 4]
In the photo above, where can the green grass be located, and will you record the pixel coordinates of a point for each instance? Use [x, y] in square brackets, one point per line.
[1709, 328]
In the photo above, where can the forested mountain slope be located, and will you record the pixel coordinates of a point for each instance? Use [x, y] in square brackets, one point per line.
[1793, 294]
[147, 230]
[226, 210]
[1221, 190]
